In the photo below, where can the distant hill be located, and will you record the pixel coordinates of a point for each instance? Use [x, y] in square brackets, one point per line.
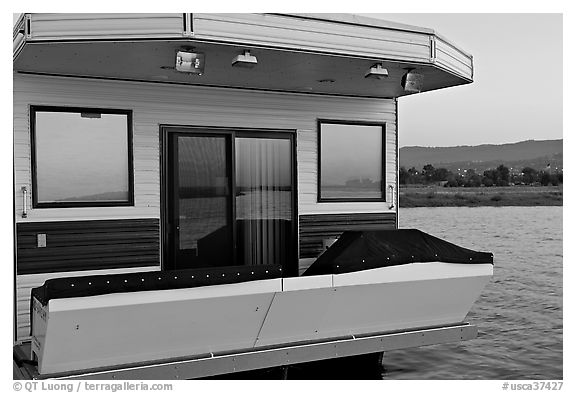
[535, 154]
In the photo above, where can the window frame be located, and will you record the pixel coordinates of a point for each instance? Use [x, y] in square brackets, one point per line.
[34, 170]
[169, 130]
[319, 197]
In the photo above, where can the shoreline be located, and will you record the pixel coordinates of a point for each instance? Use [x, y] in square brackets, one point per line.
[437, 196]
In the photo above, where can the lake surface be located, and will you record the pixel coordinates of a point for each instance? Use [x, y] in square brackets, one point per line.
[519, 314]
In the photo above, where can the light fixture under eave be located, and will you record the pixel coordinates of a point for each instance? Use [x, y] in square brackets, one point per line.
[190, 62]
[245, 60]
[412, 82]
[377, 71]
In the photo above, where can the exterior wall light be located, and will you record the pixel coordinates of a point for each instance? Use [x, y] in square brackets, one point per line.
[377, 71]
[190, 62]
[413, 82]
[245, 60]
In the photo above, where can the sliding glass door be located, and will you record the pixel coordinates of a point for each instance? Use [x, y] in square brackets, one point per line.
[230, 198]
[263, 199]
[200, 210]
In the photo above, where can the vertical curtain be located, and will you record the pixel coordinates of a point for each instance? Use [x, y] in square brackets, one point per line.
[263, 199]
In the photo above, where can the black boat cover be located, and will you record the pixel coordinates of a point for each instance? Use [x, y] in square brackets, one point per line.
[67, 287]
[355, 251]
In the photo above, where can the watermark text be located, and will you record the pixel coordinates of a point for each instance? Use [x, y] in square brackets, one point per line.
[536, 385]
[89, 386]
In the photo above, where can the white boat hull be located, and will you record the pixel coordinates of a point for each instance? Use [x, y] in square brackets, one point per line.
[121, 328]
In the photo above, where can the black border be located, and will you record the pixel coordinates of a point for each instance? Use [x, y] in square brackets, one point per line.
[291, 270]
[319, 123]
[42, 108]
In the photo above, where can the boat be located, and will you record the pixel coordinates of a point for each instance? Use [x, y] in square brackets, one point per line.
[203, 194]
[366, 282]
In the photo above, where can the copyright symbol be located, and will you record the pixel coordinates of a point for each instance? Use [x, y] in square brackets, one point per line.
[17, 386]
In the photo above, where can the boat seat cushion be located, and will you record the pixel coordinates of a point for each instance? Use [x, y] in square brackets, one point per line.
[68, 287]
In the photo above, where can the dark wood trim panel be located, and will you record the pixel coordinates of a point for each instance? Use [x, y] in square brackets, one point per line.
[316, 227]
[87, 245]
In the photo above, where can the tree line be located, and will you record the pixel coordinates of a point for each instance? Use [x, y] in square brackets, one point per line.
[501, 176]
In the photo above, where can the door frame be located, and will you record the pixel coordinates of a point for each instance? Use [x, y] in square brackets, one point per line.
[232, 132]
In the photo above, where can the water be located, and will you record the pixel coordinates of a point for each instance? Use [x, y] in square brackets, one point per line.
[519, 314]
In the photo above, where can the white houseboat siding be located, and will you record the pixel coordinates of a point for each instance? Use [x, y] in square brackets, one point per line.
[156, 104]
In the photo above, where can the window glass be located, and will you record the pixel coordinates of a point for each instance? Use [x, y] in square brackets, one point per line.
[351, 166]
[81, 158]
[264, 199]
[203, 192]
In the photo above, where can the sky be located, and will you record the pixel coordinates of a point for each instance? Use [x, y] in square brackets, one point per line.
[517, 89]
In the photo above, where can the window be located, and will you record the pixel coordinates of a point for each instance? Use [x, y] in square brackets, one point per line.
[350, 161]
[81, 157]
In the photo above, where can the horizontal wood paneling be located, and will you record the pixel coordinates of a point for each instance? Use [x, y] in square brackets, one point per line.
[314, 35]
[91, 25]
[87, 245]
[453, 59]
[315, 228]
[156, 104]
[308, 169]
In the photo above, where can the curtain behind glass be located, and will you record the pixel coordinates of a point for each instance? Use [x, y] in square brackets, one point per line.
[263, 200]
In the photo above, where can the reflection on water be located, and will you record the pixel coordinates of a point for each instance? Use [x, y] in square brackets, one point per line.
[200, 217]
[519, 314]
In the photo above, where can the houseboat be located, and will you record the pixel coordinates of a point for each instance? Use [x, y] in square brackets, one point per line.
[202, 194]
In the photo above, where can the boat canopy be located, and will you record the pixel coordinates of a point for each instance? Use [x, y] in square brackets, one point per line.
[332, 54]
[362, 250]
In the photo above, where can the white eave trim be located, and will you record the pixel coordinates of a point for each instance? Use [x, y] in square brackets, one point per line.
[358, 20]
[18, 44]
[330, 34]
[18, 35]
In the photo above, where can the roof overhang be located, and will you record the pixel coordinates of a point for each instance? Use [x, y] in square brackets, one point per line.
[308, 53]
